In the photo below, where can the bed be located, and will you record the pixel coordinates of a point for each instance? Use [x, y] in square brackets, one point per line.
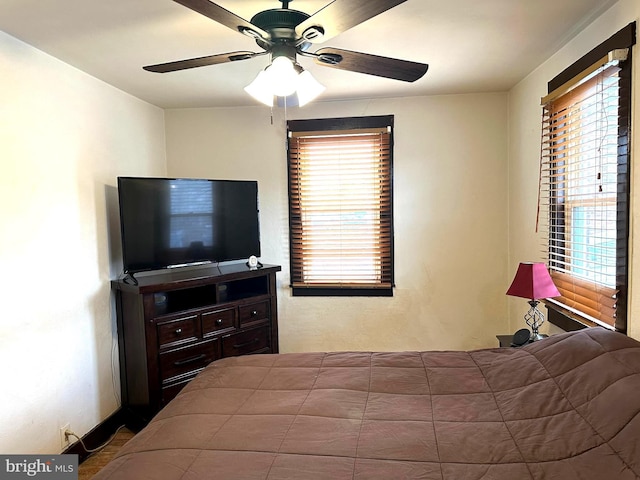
[567, 407]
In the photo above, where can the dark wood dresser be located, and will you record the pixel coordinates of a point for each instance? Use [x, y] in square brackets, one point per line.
[174, 323]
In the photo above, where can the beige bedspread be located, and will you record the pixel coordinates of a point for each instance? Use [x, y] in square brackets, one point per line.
[564, 408]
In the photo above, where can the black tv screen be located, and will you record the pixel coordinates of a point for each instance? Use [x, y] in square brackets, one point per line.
[167, 222]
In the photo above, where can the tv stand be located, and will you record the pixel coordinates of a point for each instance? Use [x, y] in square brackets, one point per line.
[174, 323]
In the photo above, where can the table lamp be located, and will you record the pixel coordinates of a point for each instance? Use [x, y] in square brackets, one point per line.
[533, 281]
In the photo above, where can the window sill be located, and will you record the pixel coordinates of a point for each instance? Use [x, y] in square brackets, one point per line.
[313, 291]
[566, 320]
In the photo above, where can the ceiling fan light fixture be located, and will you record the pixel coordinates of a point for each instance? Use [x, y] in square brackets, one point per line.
[283, 78]
[308, 88]
[261, 89]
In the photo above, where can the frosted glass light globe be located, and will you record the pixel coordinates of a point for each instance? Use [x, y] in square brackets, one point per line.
[283, 77]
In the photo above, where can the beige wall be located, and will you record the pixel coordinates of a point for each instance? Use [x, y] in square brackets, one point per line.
[524, 151]
[64, 137]
[450, 180]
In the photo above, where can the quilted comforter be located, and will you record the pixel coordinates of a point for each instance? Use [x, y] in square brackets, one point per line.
[567, 407]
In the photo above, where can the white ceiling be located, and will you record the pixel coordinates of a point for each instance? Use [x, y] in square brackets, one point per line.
[470, 46]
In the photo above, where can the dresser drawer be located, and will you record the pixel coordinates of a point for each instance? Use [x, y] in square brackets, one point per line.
[255, 340]
[181, 330]
[218, 321]
[169, 392]
[187, 360]
[253, 313]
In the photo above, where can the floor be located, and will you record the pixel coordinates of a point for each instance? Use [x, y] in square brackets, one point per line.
[94, 463]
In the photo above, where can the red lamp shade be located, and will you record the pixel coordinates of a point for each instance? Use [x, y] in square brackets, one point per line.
[533, 281]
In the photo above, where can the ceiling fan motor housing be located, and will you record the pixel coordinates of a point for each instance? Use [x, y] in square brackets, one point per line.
[280, 23]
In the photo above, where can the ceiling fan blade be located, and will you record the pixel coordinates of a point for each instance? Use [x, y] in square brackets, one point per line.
[200, 61]
[224, 17]
[370, 64]
[341, 15]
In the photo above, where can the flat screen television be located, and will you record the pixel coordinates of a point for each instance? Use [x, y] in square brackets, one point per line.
[169, 222]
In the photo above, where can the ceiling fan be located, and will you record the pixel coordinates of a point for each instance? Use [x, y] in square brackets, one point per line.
[285, 33]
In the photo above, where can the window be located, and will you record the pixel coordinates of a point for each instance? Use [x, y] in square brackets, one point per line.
[190, 213]
[584, 187]
[340, 206]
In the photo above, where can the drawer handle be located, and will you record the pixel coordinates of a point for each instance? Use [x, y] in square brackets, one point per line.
[246, 344]
[179, 363]
[178, 331]
[219, 321]
[254, 313]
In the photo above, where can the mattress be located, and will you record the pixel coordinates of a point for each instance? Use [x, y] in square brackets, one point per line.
[567, 407]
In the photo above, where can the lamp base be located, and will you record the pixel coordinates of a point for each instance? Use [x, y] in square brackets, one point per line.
[534, 318]
[538, 336]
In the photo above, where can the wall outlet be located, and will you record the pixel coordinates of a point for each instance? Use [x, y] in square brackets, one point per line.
[64, 438]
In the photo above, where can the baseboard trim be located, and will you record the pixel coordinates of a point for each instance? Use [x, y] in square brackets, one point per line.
[99, 434]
